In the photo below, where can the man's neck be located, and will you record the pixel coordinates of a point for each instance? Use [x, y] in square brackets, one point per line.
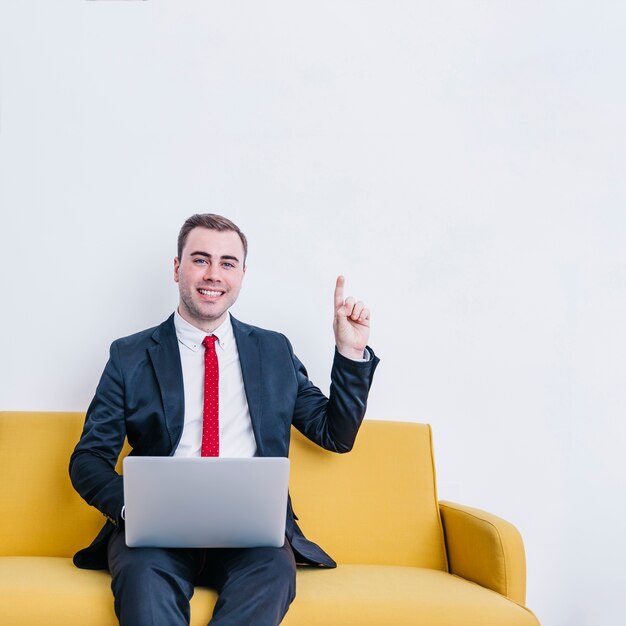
[206, 326]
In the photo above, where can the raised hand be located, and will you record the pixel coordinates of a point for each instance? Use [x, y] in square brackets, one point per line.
[351, 323]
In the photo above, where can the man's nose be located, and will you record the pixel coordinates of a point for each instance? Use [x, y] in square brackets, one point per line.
[212, 272]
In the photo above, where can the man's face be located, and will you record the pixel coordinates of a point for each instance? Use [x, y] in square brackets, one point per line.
[209, 276]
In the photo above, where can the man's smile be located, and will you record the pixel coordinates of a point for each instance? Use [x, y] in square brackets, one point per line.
[211, 293]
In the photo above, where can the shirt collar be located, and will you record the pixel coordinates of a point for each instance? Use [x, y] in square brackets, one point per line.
[192, 337]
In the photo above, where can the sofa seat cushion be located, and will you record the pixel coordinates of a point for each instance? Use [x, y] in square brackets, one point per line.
[49, 590]
[383, 595]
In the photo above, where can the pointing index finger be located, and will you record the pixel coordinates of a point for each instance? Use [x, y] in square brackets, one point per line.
[339, 291]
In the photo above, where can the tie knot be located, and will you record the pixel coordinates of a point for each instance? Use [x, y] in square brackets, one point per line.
[209, 341]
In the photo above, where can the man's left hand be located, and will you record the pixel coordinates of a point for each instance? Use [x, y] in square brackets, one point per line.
[351, 324]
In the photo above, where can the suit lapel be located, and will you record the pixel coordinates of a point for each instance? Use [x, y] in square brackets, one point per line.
[165, 358]
[250, 360]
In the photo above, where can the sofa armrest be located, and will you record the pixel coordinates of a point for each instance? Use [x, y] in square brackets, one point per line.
[485, 549]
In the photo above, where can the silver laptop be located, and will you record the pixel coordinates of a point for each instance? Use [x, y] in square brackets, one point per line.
[173, 502]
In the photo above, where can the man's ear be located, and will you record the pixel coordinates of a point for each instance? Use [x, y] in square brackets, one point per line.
[176, 268]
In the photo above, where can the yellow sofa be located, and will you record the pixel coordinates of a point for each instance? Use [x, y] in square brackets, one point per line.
[404, 558]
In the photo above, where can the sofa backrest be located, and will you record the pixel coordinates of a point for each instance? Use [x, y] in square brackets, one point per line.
[40, 513]
[376, 504]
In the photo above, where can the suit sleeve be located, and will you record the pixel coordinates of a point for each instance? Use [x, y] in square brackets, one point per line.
[92, 464]
[333, 422]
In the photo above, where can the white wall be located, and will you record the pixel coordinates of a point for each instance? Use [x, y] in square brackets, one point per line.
[461, 162]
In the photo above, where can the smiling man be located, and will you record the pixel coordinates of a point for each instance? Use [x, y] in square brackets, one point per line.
[204, 384]
[209, 271]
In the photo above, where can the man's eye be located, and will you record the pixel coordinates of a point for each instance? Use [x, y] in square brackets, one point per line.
[198, 261]
[228, 264]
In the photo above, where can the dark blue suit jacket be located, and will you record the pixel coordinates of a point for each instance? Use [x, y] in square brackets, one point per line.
[140, 396]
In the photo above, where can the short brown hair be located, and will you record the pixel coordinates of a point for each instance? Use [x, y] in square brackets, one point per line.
[212, 222]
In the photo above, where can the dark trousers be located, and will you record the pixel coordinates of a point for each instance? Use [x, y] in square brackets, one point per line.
[153, 586]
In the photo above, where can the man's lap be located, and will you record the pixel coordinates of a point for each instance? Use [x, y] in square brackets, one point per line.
[210, 567]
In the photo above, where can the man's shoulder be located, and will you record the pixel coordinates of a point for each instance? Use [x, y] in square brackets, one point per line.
[264, 335]
[249, 329]
[147, 336]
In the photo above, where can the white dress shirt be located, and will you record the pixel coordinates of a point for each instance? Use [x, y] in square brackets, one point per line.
[235, 426]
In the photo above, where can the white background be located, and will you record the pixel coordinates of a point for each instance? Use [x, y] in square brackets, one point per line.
[461, 162]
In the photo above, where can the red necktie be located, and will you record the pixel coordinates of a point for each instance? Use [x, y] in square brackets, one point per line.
[210, 420]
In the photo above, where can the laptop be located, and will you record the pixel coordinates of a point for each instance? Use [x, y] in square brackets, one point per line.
[207, 502]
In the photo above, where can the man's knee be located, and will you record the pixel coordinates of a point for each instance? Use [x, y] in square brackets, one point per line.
[279, 568]
[138, 564]
[150, 585]
[259, 586]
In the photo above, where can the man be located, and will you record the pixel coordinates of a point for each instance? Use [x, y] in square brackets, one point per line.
[203, 383]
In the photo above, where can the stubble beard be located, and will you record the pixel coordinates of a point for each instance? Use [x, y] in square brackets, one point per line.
[210, 313]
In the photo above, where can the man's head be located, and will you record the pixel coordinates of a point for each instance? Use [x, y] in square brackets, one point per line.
[212, 222]
[209, 269]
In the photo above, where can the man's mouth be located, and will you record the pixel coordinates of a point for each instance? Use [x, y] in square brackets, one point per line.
[211, 293]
